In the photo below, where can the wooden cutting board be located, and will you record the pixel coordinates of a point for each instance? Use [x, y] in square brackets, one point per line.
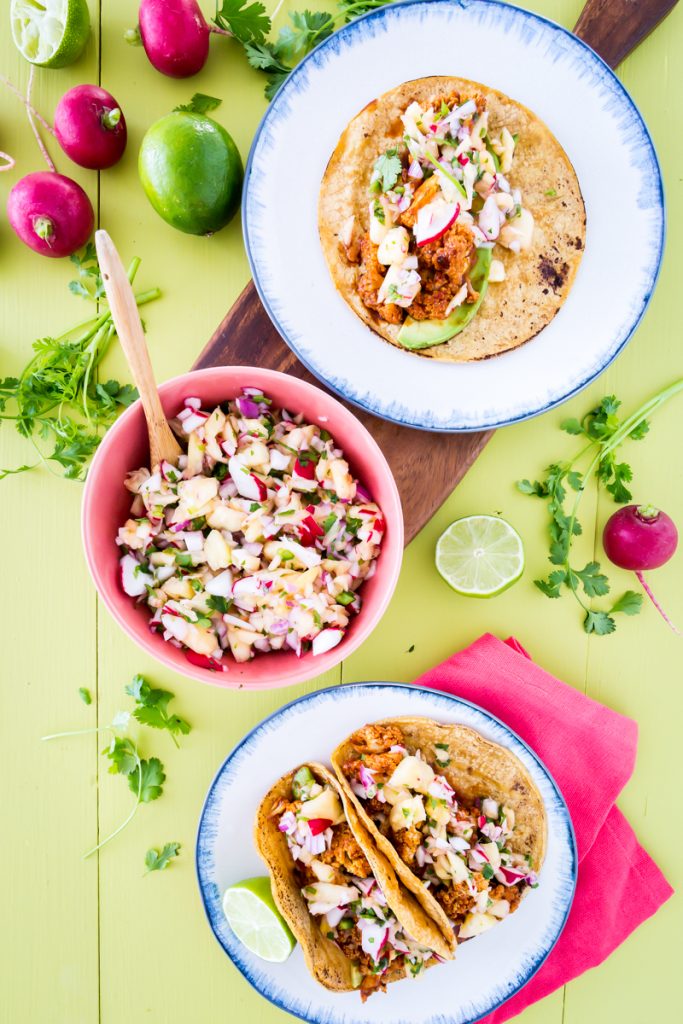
[427, 466]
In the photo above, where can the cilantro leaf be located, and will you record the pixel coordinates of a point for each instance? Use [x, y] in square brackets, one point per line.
[200, 104]
[594, 582]
[599, 623]
[571, 426]
[527, 487]
[308, 29]
[387, 170]
[123, 755]
[622, 474]
[84, 694]
[156, 860]
[551, 586]
[248, 22]
[629, 603]
[149, 777]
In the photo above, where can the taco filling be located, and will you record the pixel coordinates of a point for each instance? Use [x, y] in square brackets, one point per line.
[440, 203]
[340, 889]
[461, 849]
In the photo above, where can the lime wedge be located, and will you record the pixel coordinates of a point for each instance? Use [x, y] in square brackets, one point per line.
[251, 912]
[50, 33]
[480, 556]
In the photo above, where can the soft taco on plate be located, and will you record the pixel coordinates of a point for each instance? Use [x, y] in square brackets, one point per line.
[459, 817]
[451, 219]
[357, 925]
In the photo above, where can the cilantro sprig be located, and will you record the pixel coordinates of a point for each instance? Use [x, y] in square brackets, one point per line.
[151, 708]
[604, 432]
[57, 398]
[145, 776]
[248, 22]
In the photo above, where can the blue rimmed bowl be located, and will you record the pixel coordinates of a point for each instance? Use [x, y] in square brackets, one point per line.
[568, 86]
[486, 972]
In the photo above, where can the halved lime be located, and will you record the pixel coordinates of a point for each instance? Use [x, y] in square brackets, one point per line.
[480, 556]
[50, 33]
[251, 912]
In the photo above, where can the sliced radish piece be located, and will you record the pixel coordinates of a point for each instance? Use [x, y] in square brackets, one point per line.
[133, 578]
[194, 421]
[193, 403]
[433, 220]
[245, 586]
[306, 470]
[248, 484]
[202, 661]
[326, 640]
[318, 825]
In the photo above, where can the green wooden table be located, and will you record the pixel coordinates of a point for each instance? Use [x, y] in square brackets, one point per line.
[89, 941]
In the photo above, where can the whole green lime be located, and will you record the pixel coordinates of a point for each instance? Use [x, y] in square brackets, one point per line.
[191, 171]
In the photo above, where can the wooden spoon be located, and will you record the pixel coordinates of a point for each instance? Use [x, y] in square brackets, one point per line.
[124, 313]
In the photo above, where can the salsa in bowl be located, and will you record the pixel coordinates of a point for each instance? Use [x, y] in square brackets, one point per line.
[268, 553]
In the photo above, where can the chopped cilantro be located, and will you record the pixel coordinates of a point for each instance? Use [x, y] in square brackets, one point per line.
[345, 597]
[219, 604]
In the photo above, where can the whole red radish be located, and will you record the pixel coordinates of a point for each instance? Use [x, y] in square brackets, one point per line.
[50, 213]
[640, 537]
[90, 127]
[175, 36]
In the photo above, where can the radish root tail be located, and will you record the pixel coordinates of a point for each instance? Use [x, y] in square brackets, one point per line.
[656, 603]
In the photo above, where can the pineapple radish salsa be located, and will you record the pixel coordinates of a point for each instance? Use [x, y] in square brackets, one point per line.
[340, 890]
[440, 201]
[461, 851]
[256, 541]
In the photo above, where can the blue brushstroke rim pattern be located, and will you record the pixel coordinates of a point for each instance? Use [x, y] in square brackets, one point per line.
[208, 829]
[594, 64]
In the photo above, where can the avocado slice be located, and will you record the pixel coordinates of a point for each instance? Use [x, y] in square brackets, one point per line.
[416, 334]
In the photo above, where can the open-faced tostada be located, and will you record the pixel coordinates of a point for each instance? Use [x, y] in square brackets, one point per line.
[451, 219]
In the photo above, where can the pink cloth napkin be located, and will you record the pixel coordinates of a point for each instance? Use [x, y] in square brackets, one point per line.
[590, 751]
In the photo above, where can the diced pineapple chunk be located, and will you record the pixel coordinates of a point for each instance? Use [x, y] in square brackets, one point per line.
[326, 805]
[224, 518]
[407, 813]
[217, 551]
[518, 232]
[413, 773]
[195, 456]
[476, 924]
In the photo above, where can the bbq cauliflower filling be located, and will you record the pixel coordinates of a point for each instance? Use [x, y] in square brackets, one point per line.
[340, 889]
[440, 202]
[258, 539]
[462, 851]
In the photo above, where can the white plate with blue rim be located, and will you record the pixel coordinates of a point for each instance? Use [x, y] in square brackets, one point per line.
[487, 970]
[537, 63]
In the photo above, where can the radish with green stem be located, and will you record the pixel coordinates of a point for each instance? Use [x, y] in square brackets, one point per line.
[90, 127]
[640, 537]
[49, 212]
[175, 35]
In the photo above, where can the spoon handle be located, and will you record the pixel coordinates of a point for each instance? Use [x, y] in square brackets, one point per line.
[124, 312]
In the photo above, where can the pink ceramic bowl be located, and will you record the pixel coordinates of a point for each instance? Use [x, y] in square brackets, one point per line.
[106, 505]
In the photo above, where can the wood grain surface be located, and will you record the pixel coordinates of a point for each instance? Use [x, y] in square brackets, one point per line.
[615, 27]
[427, 466]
